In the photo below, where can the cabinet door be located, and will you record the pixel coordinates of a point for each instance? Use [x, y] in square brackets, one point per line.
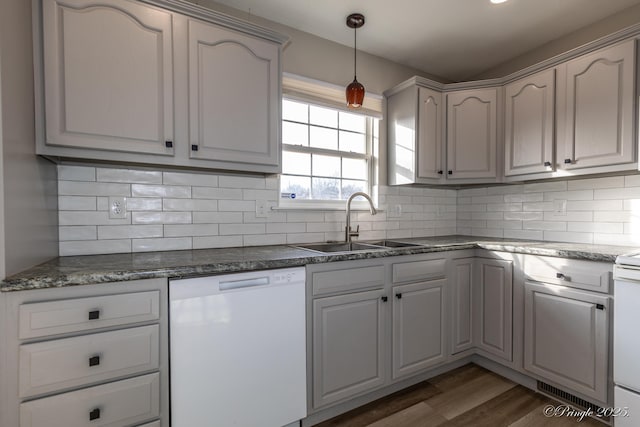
[566, 338]
[494, 314]
[461, 281]
[430, 134]
[418, 327]
[472, 134]
[600, 94]
[234, 96]
[348, 345]
[108, 71]
[529, 118]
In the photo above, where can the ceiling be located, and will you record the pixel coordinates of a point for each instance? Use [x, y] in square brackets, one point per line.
[452, 39]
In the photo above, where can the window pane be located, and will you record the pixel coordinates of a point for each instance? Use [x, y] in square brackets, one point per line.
[295, 111]
[323, 116]
[354, 168]
[355, 142]
[326, 166]
[325, 188]
[376, 128]
[323, 138]
[295, 134]
[296, 163]
[349, 187]
[354, 122]
[298, 185]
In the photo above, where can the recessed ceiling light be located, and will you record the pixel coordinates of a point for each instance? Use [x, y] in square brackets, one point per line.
[498, 1]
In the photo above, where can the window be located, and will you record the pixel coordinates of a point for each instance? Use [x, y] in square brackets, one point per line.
[326, 153]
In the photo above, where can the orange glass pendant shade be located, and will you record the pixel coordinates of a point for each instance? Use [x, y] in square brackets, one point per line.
[355, 94]
[355, 90]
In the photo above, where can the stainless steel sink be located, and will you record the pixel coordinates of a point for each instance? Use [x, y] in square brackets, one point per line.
[340, 247]
[392, 244]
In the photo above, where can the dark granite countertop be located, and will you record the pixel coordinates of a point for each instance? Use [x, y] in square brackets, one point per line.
[89, 269]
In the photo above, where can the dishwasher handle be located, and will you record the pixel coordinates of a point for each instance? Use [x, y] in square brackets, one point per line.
[239, 284]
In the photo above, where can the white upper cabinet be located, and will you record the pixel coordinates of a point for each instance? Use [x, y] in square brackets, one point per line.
[529, 124]
[597, 125]
[430, 142]
[415, 136]
[127, 81]
[108, 76]
[472, 140]
[234, 96]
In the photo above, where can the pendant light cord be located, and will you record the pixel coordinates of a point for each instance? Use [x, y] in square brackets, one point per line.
[355, 50]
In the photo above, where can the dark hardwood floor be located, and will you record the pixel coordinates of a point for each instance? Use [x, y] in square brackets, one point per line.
[467, 396]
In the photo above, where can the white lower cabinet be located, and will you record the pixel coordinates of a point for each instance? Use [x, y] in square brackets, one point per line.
[493, 303]
[348, 345]
[461, 284]
[418, 327]
[94, 355]
[567, 338]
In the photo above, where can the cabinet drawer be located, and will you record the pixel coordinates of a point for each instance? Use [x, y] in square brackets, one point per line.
[352, 279]
[419, 270]
[119, 403]
[589, 275]
[71, 362]
[82, 314]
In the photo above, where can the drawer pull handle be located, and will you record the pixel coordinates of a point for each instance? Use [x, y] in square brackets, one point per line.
[94, 315]
[94, 415]
[600, 306]
[399, 296]
[94, 361]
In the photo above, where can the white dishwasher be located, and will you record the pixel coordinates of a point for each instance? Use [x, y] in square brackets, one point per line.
[237, 349]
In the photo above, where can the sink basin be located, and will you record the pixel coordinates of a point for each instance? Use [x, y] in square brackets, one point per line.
[392, 244]
[340, 247]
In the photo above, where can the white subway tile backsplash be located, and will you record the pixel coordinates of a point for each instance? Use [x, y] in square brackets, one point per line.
[161, 217]
[183, 210]
[128, 231]
[76, 173]
[189, 179]
[173, 191]
[76, 203]
[185, 230]
[164, 244]
[77, 188]
[128, 175]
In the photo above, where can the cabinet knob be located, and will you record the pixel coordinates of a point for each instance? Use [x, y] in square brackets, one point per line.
[94, 414]
[399, 296]
[599, 307]
[194, 147]
[168, 144]
[450, 172]
[384, 299]
[94, 315]
[94, 361]
[567, 161]
[440, 172]
[547, 164]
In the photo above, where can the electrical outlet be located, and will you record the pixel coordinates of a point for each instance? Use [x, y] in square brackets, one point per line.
[117, 207]
[560, 207]
[262, 209]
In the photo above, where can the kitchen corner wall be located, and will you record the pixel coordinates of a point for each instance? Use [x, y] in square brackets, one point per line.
[173, 211]
[600, 210]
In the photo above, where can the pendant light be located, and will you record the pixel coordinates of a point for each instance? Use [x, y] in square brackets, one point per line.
[355, 90]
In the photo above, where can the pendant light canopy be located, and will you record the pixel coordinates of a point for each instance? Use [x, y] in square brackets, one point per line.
[355, 90]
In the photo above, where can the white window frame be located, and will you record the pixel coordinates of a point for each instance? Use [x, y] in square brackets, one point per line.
[313, 92]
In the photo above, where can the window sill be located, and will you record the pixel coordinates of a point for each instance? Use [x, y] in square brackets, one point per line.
[356, 206]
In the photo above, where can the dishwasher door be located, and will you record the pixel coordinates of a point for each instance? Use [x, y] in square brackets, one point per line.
[237, 349]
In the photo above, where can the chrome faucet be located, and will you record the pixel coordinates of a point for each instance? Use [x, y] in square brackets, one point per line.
[348, 234]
